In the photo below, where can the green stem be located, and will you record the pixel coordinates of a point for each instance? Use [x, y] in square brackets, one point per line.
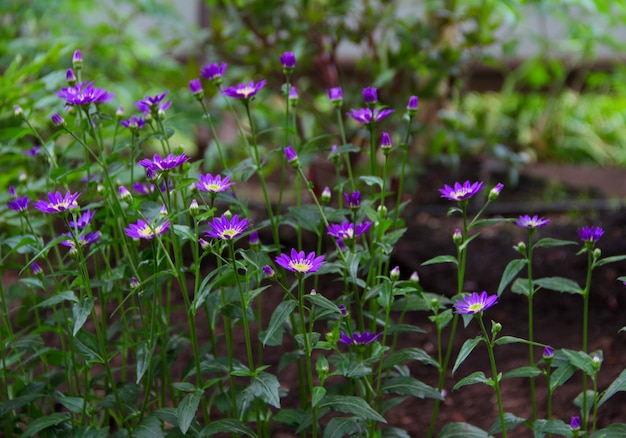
[531, 349]
[494, 372]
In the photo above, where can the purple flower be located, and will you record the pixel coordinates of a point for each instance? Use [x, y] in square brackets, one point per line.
[32, 152]
[385, 141]
[213, 184]
[548, 352]
[146, 230]
[359, 339]
[299, 262]
[57, 120]
[343, 310]
[254, 238]
[268, 271]
[213, 72]
[18, 111]
[70, 77]
[243, 91]
[370, 96]
[12, 192]
[368, 115]
[348, 230]
[134, 123]
[412, 105]
[293, 96]
[144, 188]
[475, 303]
[83, 239]
[77, 59]
[152, 105]
[574, 423]
[57, 202]
[288, 60]
[196, 88]
[590, 234]
[526, 221]
[353, 200]
[18, 204]
[83, 220]
[124, 193]
[291, 155]
[227, 229]
[335, 95]
[495, 191]
[36, 269]
[84, 94]
[158, 164]
[461, 192]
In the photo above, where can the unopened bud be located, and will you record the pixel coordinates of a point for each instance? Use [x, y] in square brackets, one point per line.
[457, 237]
[204, 244]
[415, 278]
[496, 328]
[228, 214]
[269, 272]
[125, 194]
[326, 195]
[495, 192]
[394, 275]
[382, 211]
[194, 208]
[163, 211]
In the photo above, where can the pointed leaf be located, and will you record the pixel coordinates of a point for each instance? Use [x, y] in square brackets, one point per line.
[352, 405]
[372, 180]
[81, 311]
[472, 379]
[607, 260]
[462, 430]
[510, 272]
[186, 411]
[466, 349]
[340, 427]
[317, 395]
[618, 385]
[266, 386]
[548, 242]
[42, 423]
[73, 404]
[525, 371]
[68, 295]
[520, 286]
[559, 284]
[541, 427]
[510, 422]
[143, 361]
[410, 386]
[611, 431]
[150, 427]
[440, 259]
[229, 426]
[281, 313]
[580, 360]
[561, 375]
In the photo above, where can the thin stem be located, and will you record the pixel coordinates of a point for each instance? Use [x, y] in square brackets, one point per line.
[494, 372]
[531, 349]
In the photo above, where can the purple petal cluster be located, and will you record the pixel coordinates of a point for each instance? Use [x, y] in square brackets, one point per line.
[84, 94]
[526, 221]
[288, 60]
[159, 164]
[370, 96]
[146, 230]
[368, 115]
[134, 123]
[460, 191]
[590, 234]
[348, 230]
[83, 239]
[353, 200]
[227, 229]
[300, 262]
[153, 104]
[243, 91]
[18, 204]
[57, 202]
[358, 338]
[83, 220]
[32, 152]
[475, 303]
[335, 94]
[213, 72]
[213, 184]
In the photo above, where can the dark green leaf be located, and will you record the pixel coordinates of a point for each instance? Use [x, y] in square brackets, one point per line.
[462, 430]
[510, 272]
[73, 404]
[607, 260]
[229, 426]
[520, 286]
[472, 379]
[410, 386]
[611, 431]
[372, 180]
[352, 405]
[81, 311]
[150, 427]
[548, 242]
[618, 385]
[186, 411]
[510, 422]
[440, 259]
[42, 423]
[340, 427]
[466, 349]
[58, 298]
[281, 313]
[559, 284]
[394, 432]
[317, 395]
[580, 360]
[561, 375]
[407, 355]
[526, 371]
[541, 427]
[266, 386]
[144, 356]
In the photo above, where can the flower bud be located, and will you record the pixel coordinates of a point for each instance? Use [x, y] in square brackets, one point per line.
[382, 211]
[22, 177]
[196, 89]
[394, 275]
[411, 107]
[596, 362]
[194, 208]
[313, 292]
[163, 211]
[134, 283]
[269, 272]
[335, 95]
[18, 111]
[496, 328]
[574, 423]
[204, 244]
[288, 61]
[254, 239]
[520, 247]
[415, 278]
[292, 157]
[370, 96]
[326, 195]
[597, 253]
[125, 194]
[77, 60]
[293, 96]
[385, 143]
[548, 354]
[36, 269]
[343, 310]
[57, 120]
[457, 237]
[495, 192]
[70, 77]
[228, 214]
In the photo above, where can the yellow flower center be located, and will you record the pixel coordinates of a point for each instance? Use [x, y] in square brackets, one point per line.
[302, 266]
[229, 234]
[476, 307]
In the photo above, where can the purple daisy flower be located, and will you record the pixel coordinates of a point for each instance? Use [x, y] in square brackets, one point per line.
[370, 96]
[243, 91]
[213, 72]
[412, 105]
[368, 115]
[461, 192]
[227, 229]
[57, 202]
[348, 230]
[144, 188]
[18, 204]
[335, 95]
[353, 200]
[83, 220]
[213, 184]
[153, 104]
[83, 240]
[299, 262]
[146, 230]
[84, 94]
[526, 221]
[32, 152]
[590, 234]
[158, 164]
[196, 87]
[288, 60]
[134, 123]
[359, 338]
[475, 303]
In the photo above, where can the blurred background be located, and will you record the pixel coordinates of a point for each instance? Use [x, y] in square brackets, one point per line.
[504, 85]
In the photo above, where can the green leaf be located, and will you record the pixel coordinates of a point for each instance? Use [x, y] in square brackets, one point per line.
[323, 302]
[266, 386]
[611, 431]
[510, 422]
[440, 259]
[465, 351]
[548, 242]
[561, 375]
[580, 360]
[58, 298]
[81, 311]
[541, 427]
[317, 395]
[407, 355]
[352, 405]
[186, 411]
[510, 272]
[607, 260]
[144, 356]
[525, 371]
[559, 284]
[513, 340]
[520, 286]
[150, 427]
[372, 180]
[394, 432]
[410, 386]
[280, 314]
[73, 404]
[340, 427]
[42, 423]
[618, 385]
[462, 430]
[472, 379]
[229, 426]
